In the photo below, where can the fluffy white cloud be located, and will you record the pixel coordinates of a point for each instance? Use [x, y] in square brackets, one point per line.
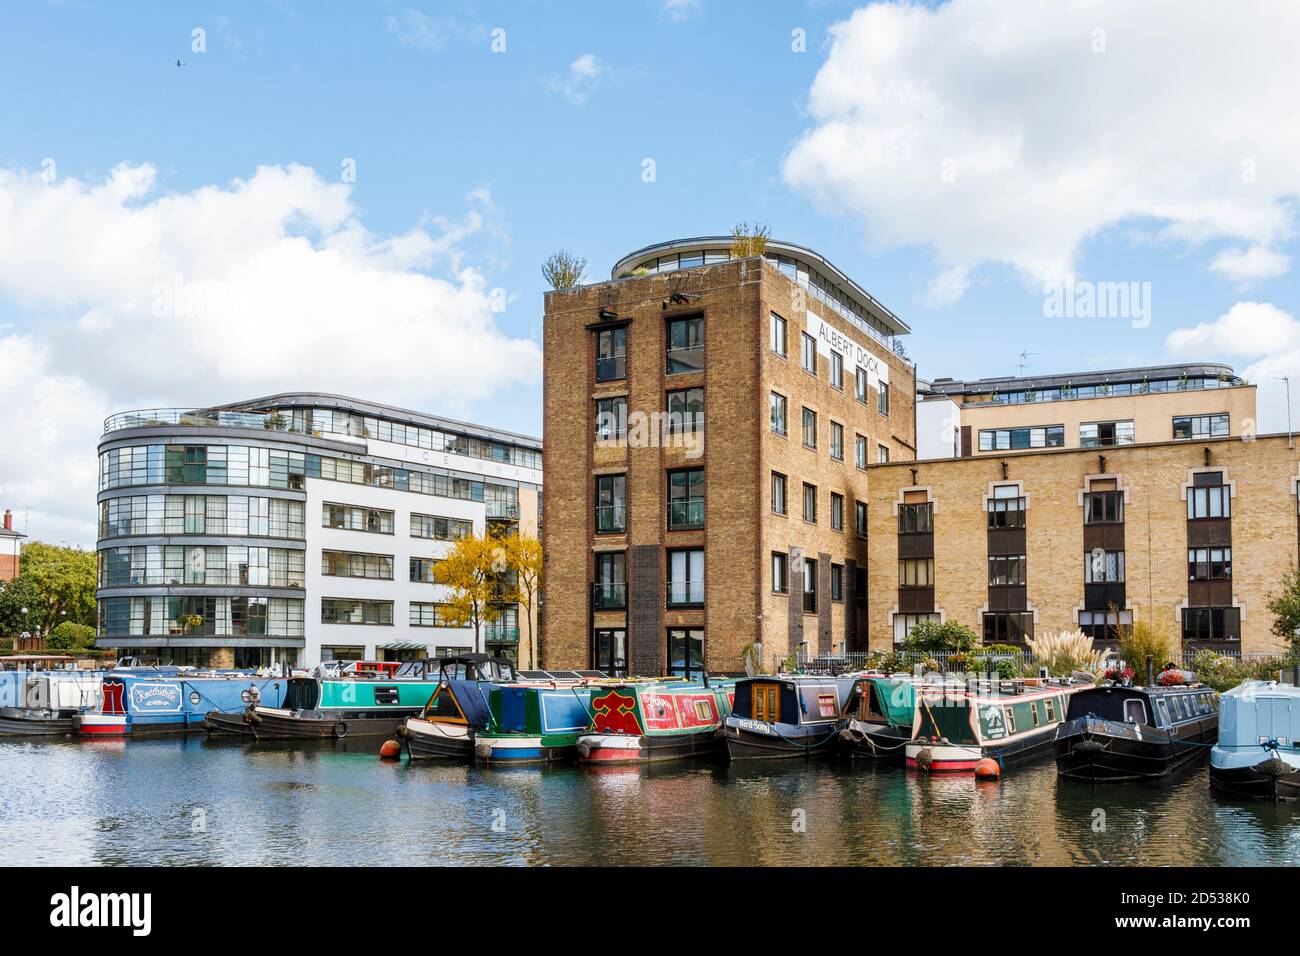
[1250, 265]
[676, 10]
[1265, 340]
[1010, 131]
[273, 283]
[585, 74]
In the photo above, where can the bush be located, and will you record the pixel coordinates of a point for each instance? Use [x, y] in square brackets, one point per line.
[69, 636]
[1064, 652]
[950, 637]
[1146, 637]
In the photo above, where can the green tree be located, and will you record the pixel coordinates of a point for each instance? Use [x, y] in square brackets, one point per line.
[15, 596]
[70, 637]
[950, 637]
[64, 579]
[747, 240]
[471, 570]
[1286, 608]
[523, 555]
[563, 270]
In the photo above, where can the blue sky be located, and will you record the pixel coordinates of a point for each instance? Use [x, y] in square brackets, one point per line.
[952, 206]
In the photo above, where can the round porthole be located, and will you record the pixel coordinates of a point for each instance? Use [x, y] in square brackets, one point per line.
[195, 697]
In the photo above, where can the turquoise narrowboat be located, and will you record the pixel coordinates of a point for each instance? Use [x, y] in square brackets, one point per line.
[1258, 753]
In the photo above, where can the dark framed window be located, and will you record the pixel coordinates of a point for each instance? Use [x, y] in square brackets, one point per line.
[1009, 627]
[610, 588]
[1006, 569]
[685, 410]
[1103, 567]
[1010, 439]
[780, 573]
[809, 502]
[1006, 508]
[609, 651]
[837, 370]
[1211, 624]
[686, 651]
[916, 518]
[1103, 507]
[355, 611]
[778, 343]
[1208, 497]
[611, 418]
[778, 413]
[685, 345]
[860, 518]
[686, 577]
[1105, 434]
[809, 428]
[611, 504]
[916, 573]
[611, 354]
[882, 454]
[837, 441]
[837, 582]
[808, 354]
[837, 511]
[1104, 625]
[860, 385]
[1209, 564]
[882, 399]
[420, 570]
[779, 505]
[686, 499]
[860, 451]
[810, 586]
[1195, 427]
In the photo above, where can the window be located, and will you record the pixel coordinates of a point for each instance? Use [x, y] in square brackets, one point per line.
[1012, 627]
[1007, 570]
[778, 493]
[778, 335]
[685, 410]
[860, 586]
[611, 355]
[780, 574]
[904, 623]
[350, 564]
[686, 499]
[1103, 507]
[809, 502]
[609, 651]
[611, 418]
[685, 345]
[1209, 564]
[837, 512]
[1103, 567]
[778, 413]
[686, 652]
[1006, 508]
[809, 428]
[1104, 625]
[354, 518]
[809, 353]
[882, 399]
[765, 703]
[860, 384]
[440, 529]
[837, 582]
[882, 454]
[860, 451]
[686, 578]
[1103, 434]
[355, 611]
[837, 370]
[610, 588]
[916, 573]
[611, 504]
[1200, 426]
[1208, 497]
[860, 516]
[916, 518]
[1211, 624]
[430, 614]
[810, 586]
[421, 570]
[1010, 439]
[837, 441]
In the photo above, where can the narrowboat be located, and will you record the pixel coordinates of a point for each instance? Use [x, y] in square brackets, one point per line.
[158, 702]
[534, 722]
[878, 716]
[652, 722]
[43, 703]
[1258, 753]
[785, 716]
[323, 706]
[1112, 732]
[445, 727]
[956, 725]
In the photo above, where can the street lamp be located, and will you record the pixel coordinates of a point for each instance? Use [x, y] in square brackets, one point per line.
[1290, 441]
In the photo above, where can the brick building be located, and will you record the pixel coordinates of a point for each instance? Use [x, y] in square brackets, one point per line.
[11, 543]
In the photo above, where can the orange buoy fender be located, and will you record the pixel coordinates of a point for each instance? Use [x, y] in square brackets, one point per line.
[988, 769]
[390, 749]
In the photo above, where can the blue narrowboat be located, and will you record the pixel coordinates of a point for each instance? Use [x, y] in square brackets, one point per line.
[1258, 753]
[458, 709]
[173, 701]
[43, 702]
[534, 723]
[785, 716]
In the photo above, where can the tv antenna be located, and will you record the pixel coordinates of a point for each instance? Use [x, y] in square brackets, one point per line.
[1024, 360]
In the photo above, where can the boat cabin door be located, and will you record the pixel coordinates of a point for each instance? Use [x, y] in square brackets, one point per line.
[766, 703]
[512, 709]
[1135, 711]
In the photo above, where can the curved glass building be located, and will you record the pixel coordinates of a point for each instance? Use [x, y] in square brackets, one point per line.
[298, 527]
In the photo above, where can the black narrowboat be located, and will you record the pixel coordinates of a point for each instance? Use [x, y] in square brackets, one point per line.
[1112, 732]
[788, 716]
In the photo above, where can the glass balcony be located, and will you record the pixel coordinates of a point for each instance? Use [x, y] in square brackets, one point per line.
[611, 369]
[611, 519]
[685, 593]
[499, 633]
[609, 596]
[685, 513]
[690, 359]
[503, 509]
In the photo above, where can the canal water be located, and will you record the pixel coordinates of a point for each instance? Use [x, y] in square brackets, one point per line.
[198, 801]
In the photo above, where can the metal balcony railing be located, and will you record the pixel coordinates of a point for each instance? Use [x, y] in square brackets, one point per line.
[611, 519]
[609, 596]
[685, 593]
[686, 513]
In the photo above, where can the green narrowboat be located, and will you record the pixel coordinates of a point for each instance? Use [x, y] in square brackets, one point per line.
[534, 722]
[650, 722]
[878, 717]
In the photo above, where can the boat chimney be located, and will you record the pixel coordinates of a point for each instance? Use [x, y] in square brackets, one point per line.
[1295, 675]
[9, 520]
[1151, 671]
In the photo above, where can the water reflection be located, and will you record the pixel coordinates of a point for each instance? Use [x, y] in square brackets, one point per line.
[233, 802]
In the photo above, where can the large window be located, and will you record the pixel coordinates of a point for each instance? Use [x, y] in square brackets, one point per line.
[779, 505]
[837, 582]
[611, 581]
[1200, 426]
[611, 354]
[1104, 625]
[1209, 564]
[355, 611]
[686, 499]
[810, 586]
[1104, 434]
[1103, 507]
[438, 528]
[916, 573]
[1010, 439]
[860, 451]
[777, 403]
[1011, 627]
[357, 518]
[809, 428]
[609, 651]
[837, 512]
[685, 410]
[420, 570]
[611, 504]
[686, 578]
[780, 573]
[1211, 624]
[611, 418]
[860, 516]
[916, 518]
[808, 354]
[882, 399]
[201, 514]
[1006, 508]
[1208, 497]
[353, 564]
[430, 614]
[778, 343]
[809, 502]
[685, 345]
[860, 384]
[686, 652]
[200, 564]
[837, 441]
[1103, 567]
[837, 370]
[905, 623]
[219, 616]
[1007, 570]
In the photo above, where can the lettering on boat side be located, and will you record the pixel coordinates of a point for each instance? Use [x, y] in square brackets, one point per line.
[75, 909]
[154, 698]
[754, 726]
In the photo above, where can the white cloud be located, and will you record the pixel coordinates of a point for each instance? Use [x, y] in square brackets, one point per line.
[1250, 265]
[1266, 342]
[947, 287]
[585, 74]
[676, 10]
[418, 29]
[991, 132]
[135, 298]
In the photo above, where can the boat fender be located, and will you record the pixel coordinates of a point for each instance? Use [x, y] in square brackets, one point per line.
[340, 729]
[390, 750]
[401, 730]
[1088, 747]
[483, 750]
[987, 769]
[584, 749]
[847, 735]
[924, 756]
[1274, 766]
